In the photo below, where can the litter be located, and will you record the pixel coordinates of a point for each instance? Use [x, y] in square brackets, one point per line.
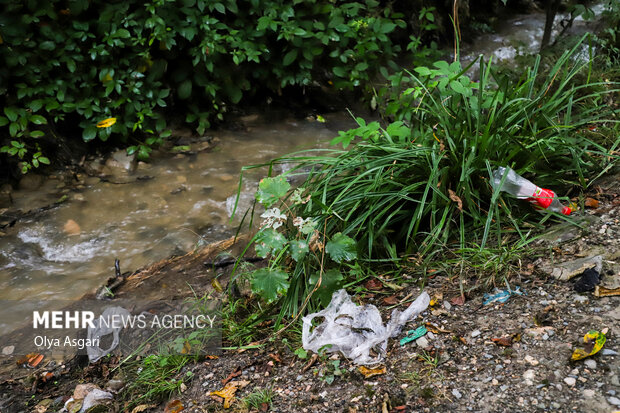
[110, 322]
[356, 330]
[501, 296]
[516, 185]
[413, 335]
[588, 281]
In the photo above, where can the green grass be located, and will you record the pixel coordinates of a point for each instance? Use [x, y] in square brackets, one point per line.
[258, 398]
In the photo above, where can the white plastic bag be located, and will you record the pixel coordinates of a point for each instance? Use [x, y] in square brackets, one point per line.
[356, 330]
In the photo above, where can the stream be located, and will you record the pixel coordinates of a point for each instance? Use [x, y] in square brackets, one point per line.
[180, 202]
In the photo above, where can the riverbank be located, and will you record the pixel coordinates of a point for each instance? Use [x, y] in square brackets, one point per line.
[498, 357]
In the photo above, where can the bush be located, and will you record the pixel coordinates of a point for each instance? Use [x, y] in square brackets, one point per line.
[78, 63]
[421, 182]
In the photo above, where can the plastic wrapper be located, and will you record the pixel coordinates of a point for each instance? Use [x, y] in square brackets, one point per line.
[355, 330]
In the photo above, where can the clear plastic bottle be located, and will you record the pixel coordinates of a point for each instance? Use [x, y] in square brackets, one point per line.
[520, 187]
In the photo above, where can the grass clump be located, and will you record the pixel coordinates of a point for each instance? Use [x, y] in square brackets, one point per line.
[419, 181]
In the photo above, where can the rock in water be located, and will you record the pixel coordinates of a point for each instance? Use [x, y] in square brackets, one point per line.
[71, 227]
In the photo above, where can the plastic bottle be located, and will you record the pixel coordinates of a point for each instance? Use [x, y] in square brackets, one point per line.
[520, 187]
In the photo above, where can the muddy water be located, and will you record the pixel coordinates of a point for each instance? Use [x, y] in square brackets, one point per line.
[187, 199]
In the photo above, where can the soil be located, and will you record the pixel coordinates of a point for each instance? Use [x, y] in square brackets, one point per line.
[501, 357]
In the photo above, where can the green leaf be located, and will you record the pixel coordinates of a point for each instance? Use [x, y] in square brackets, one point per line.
[3, 121]
[89, 133]
[269, 283]
[423, 71]
[330, 282]
[269, 241]
[36, 134]
[220, 7]
[341, 248]
[38, 120]
[35, 105]
[387, 27]
[185, 89]
[11, 114]
[44, 160]
[71, 66]
[289, 57]
[270, 190]
[298, 249]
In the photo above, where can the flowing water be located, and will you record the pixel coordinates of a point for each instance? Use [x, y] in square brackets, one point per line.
[188, 199]
[69, 250]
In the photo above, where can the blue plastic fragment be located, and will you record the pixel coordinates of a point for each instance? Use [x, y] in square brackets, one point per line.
[501, 296]
[413, 335]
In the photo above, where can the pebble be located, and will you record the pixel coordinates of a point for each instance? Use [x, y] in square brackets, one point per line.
[570, 381]
[475, 333]
[614, 400]
[447, 305]
[589, 393]
[422, 342]
[430, 335]
[529, 376]
[591, 364]
[608, 352]
[531, 360]
[456, 393]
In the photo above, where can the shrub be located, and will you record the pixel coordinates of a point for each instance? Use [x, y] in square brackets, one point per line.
[421, 182]
[77, 63]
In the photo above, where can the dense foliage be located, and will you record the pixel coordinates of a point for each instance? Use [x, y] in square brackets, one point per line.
[78, 63]
[420, 182]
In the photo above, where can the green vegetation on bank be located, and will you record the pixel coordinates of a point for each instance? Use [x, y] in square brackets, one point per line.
[419, 183]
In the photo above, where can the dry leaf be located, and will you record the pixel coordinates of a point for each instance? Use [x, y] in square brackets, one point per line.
[591, 202]
[227, 393]
[373, 284]
[175, 406]
[142, 407]
[34, 359]
[455, 198]
[605, 292]
[391, 300]
[435, 329]
[372, 372]
[235, 373]
[275, 357]
[503, 341]
[458, 300]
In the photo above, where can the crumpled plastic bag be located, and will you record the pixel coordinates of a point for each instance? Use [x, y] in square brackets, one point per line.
[356, 330]
[110, 322]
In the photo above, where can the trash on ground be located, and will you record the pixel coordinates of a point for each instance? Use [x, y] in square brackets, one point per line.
[368, 373]
[356, 330]
[605, 292]
[31, 360]
[500, 296]
[588, 281]
[106, 324]
[413, 335]
[516, 185]
[594, 341]
[85, 397]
